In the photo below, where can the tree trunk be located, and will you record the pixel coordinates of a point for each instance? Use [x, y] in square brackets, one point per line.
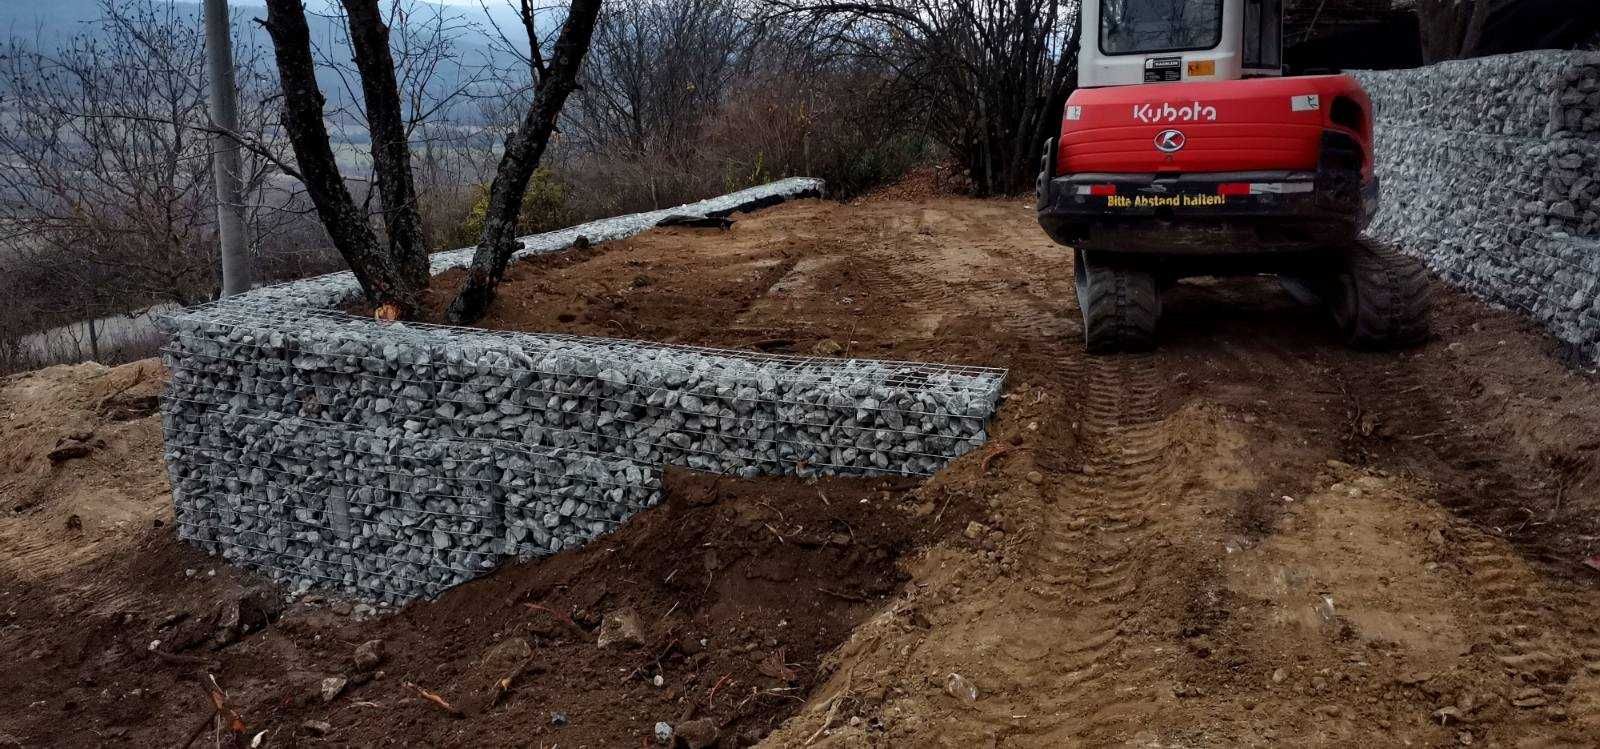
[379, 275]
[1443, 25]
[523, 151]
[391, 149]
[1473, 37]
[1063, 81]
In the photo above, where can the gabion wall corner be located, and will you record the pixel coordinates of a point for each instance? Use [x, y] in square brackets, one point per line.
[394, 461]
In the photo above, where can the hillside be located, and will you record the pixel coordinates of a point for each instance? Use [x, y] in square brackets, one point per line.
[1251, 536]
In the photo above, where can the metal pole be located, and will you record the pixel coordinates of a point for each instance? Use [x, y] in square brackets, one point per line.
[225, 159]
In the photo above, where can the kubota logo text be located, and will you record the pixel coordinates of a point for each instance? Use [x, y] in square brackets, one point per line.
[1165, 112]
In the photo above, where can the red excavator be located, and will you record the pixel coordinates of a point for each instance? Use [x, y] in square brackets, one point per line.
[1187, 152]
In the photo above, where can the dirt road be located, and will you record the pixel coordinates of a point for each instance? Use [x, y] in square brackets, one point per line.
[1251, 536]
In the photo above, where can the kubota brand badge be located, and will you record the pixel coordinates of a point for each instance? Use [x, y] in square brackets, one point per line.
[1156, 114]
[1170, 141]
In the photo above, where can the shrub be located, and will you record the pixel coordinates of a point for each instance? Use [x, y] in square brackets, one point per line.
[544, 207]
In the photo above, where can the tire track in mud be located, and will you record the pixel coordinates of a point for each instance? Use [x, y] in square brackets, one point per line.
[1067, 670]
[1087, 567]
[1124, 479]
[1540, 631]
[1061, 671]
[1039, 320]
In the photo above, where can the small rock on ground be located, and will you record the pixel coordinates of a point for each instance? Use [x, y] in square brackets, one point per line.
[621, 628]
[332, 687]
[369, 655]
[698, 734]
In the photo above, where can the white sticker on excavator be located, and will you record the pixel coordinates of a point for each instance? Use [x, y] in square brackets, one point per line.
[1306, 103]
[1074, 113]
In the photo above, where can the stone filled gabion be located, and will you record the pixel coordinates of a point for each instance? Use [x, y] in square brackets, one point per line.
[393, 461]
[334, 289]
[1490, 170]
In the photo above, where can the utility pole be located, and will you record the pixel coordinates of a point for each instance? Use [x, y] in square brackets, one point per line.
[225, 150]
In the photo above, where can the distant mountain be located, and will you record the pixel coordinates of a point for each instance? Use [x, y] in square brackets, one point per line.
[50, 24]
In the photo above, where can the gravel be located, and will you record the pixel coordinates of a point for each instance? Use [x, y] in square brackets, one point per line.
[394, 461]
[1490, 170]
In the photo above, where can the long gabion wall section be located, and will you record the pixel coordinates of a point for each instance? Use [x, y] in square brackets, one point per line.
[1490, 170]
[393, 461]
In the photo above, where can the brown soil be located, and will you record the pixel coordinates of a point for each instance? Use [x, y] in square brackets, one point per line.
[739, 587]
[1252, 536]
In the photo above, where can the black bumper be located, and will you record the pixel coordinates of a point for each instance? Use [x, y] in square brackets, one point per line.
[1189, 215]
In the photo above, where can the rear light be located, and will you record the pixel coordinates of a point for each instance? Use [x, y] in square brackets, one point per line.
[1233, 188]
[1102, 190]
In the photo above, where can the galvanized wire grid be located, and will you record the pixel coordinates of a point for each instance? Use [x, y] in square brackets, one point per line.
[337, 288]
[395, 461]
[1490, 188]
[261, 320]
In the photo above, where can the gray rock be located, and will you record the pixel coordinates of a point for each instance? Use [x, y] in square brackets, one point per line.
[369, 655]
[330, 688]
[1487, 168]
[393, 462]
[621, 629]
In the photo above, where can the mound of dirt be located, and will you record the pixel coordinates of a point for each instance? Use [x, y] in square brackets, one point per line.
[80, 463]
[924, 183]
[711, 613]
[714, 609]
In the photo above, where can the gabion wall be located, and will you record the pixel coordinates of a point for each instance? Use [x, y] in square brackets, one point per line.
[394, 461]
[1490, 169]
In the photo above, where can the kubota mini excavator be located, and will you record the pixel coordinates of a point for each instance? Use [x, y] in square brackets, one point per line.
[1186, 152]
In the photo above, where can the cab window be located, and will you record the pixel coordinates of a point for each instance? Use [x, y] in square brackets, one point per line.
[1132, 27]
[1263, 34]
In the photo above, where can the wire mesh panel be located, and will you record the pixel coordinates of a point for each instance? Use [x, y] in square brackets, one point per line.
[1488, 168]
[396, 460]
[335, 289]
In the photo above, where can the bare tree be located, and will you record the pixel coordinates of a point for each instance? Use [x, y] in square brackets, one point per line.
[107, 198]
[1451, 29]
[554, 82]
[391, 146]
[386, 276]
[657, 67]
[439, 83]
[989, 76]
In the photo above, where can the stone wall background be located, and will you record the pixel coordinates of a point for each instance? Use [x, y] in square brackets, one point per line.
[1490, 170]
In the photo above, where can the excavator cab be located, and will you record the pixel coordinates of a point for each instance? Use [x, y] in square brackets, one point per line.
[1186, 151]
[1167, 41]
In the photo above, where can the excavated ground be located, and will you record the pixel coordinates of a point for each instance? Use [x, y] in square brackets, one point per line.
[1251, 536]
